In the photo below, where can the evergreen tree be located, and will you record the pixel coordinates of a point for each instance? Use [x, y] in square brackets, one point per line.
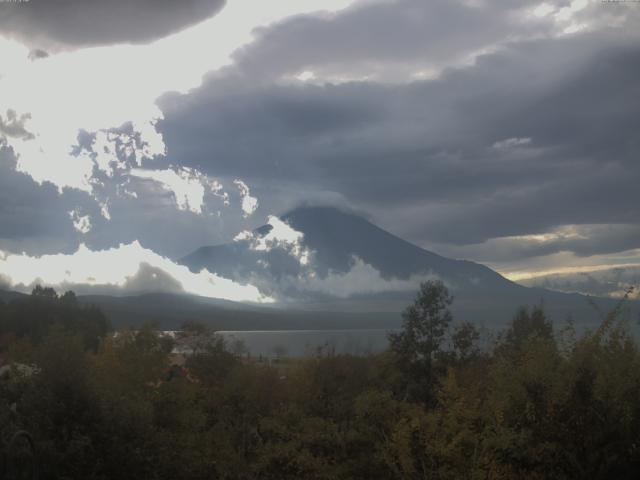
[418, 345]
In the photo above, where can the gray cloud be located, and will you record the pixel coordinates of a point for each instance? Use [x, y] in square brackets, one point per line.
[613, 282]
[76, 23]
[388, 40]
[12, 125]
[581, 241]
[436, 161]
[33, 218]
[421, 156]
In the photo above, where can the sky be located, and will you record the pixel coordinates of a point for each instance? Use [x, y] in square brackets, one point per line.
[501, 131]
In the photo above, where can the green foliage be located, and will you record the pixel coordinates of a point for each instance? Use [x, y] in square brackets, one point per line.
[212, 362]
[32, 318]
[464, 340]
[526, 324]
[418, 346]
[540, 405]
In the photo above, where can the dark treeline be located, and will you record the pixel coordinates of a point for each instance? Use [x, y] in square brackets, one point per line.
[538, 404]
[33, 318]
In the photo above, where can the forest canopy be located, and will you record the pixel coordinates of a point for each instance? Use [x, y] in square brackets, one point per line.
[540, 402]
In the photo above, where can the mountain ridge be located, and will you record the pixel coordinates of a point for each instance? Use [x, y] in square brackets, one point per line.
[336, 237]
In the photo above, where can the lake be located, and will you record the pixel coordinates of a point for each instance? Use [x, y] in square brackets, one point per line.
[298, 343]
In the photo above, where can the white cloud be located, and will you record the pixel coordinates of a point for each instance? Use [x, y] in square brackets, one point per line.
[14, 56]
[567, 13]
[600, 280]
[82, 223]
[128, 269]
[249, 203]
[306, 76]
[104, 210]
[281, 235]
[528, 277]
[563, 16]
[186, 184]
[192, 190]
[510, 143]
[217, 190]
[543, 10]
[113, 151]
[362, 278]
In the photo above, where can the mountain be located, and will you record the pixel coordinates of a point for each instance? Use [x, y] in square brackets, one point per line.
[8, 295]
[337, 236]
[330, 269]
[170, 311]
[606, 282]
[337, 240]
[353, 265]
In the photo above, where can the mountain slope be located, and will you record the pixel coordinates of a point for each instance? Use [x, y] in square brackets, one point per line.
[336, 238]
[170, 311]
[8, 295]
[356, 275]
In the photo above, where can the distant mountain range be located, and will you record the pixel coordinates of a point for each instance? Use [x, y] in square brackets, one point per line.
[606, 282]
[372, 271]
[329, 269]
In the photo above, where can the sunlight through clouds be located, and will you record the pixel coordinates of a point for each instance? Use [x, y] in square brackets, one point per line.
[186, 184]
[119, 84]
[128, 269]
[95, 92]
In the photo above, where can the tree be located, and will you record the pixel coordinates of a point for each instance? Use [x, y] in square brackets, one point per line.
[69, 298]
[417, 346]
[195, 328]
[465, 338]
[44, 292]
[195, 337]
[526, 324]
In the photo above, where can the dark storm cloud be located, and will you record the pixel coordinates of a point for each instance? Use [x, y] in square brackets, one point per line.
[429, 159]
[539, 133]
[76, 23]
[389, 39]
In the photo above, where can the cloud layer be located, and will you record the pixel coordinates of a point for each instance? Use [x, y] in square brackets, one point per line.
[76, 23]
[603, 282]
[501, 131]
[517, 144]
